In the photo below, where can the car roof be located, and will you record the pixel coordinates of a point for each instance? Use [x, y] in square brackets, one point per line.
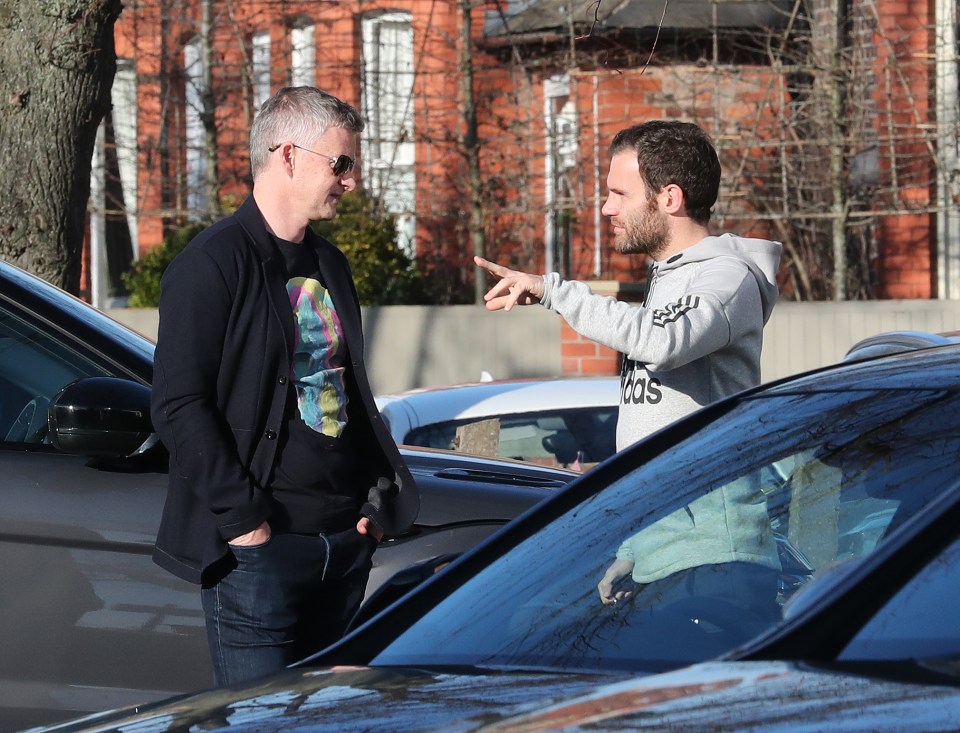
[937, 367]
[81, 321]
[504, 396]
[895, 342]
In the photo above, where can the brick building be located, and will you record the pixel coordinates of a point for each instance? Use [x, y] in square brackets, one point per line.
[501, 142]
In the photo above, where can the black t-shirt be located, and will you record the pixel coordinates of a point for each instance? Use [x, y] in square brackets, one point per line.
[315, 487]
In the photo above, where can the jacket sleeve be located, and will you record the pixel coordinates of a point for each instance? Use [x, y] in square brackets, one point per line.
[195, 307]
[699, 321]
[392, 499]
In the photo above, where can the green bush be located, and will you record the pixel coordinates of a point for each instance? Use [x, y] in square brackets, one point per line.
[384, 274]
[143, 280]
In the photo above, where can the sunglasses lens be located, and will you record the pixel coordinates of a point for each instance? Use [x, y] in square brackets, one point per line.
[343, 164]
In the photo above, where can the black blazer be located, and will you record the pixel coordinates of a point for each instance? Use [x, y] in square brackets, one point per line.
[220, 384]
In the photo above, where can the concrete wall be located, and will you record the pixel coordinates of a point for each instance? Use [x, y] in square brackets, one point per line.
[418, 346]
[803, 336]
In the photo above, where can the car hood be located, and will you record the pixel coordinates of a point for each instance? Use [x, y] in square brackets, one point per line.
[353, 698]
[715, 696]
[751, 696]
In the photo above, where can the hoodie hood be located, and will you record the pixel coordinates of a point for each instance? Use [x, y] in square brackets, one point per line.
[762, 256]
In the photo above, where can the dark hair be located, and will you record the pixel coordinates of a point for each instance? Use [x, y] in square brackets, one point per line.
[670, 151]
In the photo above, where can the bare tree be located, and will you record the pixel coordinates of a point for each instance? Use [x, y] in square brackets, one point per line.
[825, 140]
[58, 65]
[471, 146]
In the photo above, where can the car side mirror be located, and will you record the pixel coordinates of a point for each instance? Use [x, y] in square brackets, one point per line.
[102, 417]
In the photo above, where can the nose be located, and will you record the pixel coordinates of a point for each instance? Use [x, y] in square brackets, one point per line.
[348, 181]
[609, 209]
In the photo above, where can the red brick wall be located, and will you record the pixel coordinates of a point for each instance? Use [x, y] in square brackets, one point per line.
[907, 243]
[581, 356]
[733, 106]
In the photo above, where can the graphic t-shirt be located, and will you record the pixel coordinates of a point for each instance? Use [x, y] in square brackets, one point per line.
[314, 486]
[318, 371]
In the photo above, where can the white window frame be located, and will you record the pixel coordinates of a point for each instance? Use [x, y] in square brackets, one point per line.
[194, 141]
[303, 55]
[260, 67]
[387, 99]
[125, 109]
[560, 155]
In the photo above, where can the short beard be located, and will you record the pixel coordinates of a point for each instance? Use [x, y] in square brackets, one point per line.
[646, 234]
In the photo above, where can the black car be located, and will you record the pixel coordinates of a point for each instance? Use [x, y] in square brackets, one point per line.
[88, 620]
[854, 471]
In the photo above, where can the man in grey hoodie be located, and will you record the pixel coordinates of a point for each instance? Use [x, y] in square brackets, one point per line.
[696, 337]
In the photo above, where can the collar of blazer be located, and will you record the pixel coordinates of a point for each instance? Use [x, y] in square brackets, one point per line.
[333, 267]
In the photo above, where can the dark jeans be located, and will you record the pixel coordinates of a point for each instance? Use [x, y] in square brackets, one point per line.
[285, 600]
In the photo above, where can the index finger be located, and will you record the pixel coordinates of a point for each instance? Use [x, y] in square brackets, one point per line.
[491, 267]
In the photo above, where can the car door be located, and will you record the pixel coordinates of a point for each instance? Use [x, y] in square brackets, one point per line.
[89, 621]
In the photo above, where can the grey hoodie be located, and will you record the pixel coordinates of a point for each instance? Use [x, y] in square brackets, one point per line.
[696, 338]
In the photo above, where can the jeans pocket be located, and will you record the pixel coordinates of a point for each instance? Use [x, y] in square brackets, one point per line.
[258, 546]
[259, 558]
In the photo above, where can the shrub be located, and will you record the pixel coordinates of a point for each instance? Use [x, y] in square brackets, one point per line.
[384, 274]
[143, 279]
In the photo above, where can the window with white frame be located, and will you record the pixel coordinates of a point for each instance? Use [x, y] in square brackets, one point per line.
[196, 161]
[124, 99]
[560, 120]
[260, 62]
[303, 55]
[388, 106]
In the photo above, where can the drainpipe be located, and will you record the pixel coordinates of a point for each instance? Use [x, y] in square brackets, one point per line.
[597, 206]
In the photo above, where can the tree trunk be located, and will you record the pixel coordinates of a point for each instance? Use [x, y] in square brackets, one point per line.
[58, 64]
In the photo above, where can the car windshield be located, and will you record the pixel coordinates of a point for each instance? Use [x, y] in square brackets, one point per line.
[577, 438]
[702, 546]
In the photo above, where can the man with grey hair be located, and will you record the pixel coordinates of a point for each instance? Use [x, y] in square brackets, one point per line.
[282, 476]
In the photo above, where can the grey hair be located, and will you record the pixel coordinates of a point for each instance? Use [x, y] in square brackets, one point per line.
[300, 114]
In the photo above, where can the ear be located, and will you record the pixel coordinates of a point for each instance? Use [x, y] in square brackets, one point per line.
[671, 198]
[286, 152]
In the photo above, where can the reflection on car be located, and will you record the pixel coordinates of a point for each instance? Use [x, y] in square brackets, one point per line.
[822, 459]
[854, 468]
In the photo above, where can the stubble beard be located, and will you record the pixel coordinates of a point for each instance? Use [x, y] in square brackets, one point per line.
[645, 234]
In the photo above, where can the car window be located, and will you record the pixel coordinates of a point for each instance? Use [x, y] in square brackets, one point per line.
[34, 366]
[920, 621]
[574, 438]
[716, 534]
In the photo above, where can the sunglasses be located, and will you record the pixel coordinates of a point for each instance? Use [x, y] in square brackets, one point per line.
[341, 165]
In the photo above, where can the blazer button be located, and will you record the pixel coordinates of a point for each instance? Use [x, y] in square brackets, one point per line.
[271, 435]
[282, 380]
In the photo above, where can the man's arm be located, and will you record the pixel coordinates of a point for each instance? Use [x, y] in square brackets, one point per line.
[194, 311]
[693, 324]
[620, 568]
